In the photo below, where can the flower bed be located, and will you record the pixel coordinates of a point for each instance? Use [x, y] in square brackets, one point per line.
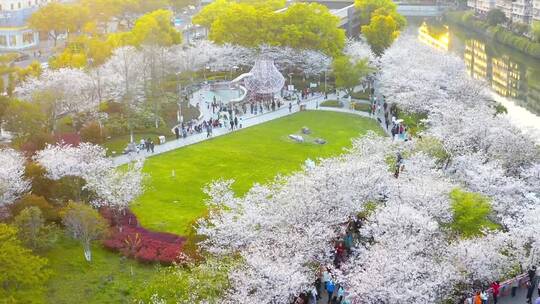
[131, 240]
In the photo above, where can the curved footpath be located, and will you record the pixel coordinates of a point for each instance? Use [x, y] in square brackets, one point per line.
[246, 121]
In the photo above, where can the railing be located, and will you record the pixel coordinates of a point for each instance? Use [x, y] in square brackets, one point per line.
[506, 286]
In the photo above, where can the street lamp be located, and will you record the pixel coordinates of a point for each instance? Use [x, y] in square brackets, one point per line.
[233, 68]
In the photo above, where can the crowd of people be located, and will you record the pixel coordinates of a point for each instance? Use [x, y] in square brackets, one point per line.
[326, 283]
[492, 293]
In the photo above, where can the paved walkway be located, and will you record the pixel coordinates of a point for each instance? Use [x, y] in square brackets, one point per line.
[245, 121]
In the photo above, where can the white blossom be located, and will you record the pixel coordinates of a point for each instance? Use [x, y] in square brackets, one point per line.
[12, 181]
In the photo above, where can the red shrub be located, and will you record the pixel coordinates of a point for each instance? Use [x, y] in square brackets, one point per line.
[73, 139]
[128, 238]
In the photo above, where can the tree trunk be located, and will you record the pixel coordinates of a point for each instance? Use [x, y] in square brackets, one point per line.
[87, 252]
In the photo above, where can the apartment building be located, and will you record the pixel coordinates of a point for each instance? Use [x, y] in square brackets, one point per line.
[14, 32]
[482, 6]
[536, 10]
[522, 11]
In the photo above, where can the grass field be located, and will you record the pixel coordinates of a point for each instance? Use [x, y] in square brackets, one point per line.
[170, 204]
[252, 155]
[109, 278]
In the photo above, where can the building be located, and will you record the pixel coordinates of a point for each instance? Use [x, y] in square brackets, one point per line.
[440, 41]
[521, 11]
[481, 6]
[476, 59]
[14, 32]
[505, 76]
[536, 10]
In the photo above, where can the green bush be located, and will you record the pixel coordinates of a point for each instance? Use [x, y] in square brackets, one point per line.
[364, 107]
[30, 200]
[360, 95]
[471, 213]
[332, 104]
[92, 132]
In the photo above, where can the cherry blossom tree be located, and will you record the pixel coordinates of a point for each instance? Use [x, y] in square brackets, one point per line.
[282, 230]
[117, 188]
[123, 75]
[12, 181]
[69, 91]
[81, 161]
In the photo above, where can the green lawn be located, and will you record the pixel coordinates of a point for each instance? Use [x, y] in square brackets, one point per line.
[255, 154]
[251, 155]
[107, 279]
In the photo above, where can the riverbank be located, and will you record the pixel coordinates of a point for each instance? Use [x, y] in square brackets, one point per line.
[496, 33]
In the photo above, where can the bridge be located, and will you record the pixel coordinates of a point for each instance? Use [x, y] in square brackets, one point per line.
[350, 16]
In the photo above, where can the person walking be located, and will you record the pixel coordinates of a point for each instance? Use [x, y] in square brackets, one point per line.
[209, 130]
[290, 107]
[147, 145]
[477, 298]
[313, 295]
[231, 123]
[177, 132]
[152, 146]
[484, 297]
[236, 122]
[495, 287]
[514, 285]
[532, 273]
[340, 294]
[330, 289]
[530, 291]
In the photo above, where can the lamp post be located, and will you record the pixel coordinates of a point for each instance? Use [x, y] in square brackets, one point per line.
[325, 83]
[234, 68]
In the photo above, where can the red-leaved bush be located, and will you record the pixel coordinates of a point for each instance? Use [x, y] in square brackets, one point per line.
[131, 240]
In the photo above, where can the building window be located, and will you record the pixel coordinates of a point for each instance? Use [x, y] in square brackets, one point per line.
[19, 5]
[3, 40]
[28, 38]
[12, 41]
[12, 7]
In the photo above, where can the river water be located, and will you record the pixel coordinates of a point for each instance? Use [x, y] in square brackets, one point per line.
[513, 77]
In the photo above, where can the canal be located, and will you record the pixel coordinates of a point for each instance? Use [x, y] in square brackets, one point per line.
[513, 77]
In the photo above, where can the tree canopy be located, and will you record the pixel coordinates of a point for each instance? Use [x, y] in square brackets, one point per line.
[495, 17]
[301, 25]
[349, 74]
[471, 213]
[24, 275]
[381, 33]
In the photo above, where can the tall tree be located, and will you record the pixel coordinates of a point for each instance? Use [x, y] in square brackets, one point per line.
[380, 33]
[12, 181]
[84, 224]
[349, 74]
[495, 17]
[24, 276]
[32, 229]
[471, 213]
[368, 7]
[52, 19]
